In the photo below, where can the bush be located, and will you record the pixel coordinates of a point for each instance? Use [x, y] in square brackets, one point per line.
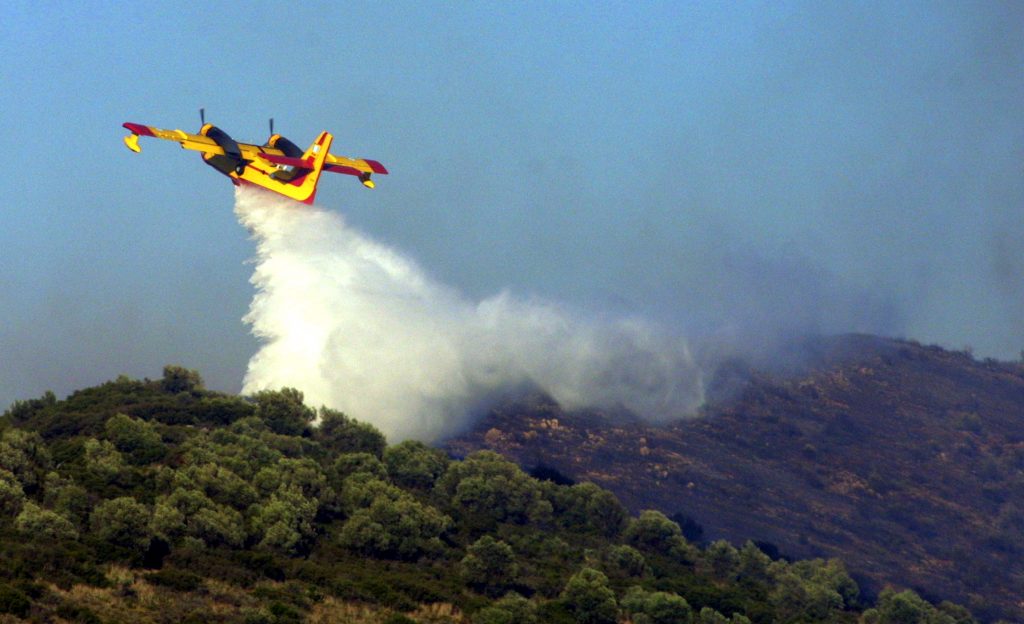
[12, 496]
[122, 521]
[43, 524]
[180, 379]
[489, 566]
[590, 508]
[285, 522]
[400, 528]
[656, 607]
[283, 411]
[340, 434]
[13, 601]
[625, 560]
[588, 597]
[179, 580]
[135, 438]
[348, 464]
[489, 489]
[511, 609]
[413, 464]
[653, 530]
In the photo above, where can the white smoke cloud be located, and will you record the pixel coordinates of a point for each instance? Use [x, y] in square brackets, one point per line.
[358, 327]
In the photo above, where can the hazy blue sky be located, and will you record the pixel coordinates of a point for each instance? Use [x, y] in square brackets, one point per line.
[730, 169]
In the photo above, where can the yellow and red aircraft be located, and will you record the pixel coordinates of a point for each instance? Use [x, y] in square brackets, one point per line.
[278, 165]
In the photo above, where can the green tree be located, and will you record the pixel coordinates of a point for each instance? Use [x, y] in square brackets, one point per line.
[397, 527]
[510, 609]
[304, 474]
[103, 462]
[959, 614]
[588, 597]
[122, 521]
[180, 379]
[67, 498]
[710, 616]
[591, 508]
[219, 483]
[43, 524]
[489, 489]
[657, 607]
[285, 522]
[12, 495]
[340, 434]
[284, 412]
[652, 529]
[753, 565]
[136, 438]
[348, 464]
[799, 595]
[24, 454]
[413, 464]
[489, 566]
[218, 524]
[624, 560]
[905, 607]
[723, 560]
[362, 489]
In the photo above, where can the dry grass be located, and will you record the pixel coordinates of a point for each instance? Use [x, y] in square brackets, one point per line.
[439, 613]
[331, 610]
[131, 599]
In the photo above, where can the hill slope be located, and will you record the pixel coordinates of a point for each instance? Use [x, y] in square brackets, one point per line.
[159, 501]
[905, 461]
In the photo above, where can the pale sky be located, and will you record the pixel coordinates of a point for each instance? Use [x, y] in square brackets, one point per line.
[724, 168]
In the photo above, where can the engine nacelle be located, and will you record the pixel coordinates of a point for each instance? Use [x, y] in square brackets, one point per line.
[231, 161]
[288, 148]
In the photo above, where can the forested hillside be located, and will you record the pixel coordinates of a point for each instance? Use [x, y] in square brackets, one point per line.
[160, 501]
[903, 460]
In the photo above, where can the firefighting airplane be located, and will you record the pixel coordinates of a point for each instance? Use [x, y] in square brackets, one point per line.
[279, 165]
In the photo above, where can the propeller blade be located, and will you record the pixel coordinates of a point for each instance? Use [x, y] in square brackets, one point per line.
[202, 116]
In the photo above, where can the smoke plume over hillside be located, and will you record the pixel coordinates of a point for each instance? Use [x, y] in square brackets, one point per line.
[359, 327]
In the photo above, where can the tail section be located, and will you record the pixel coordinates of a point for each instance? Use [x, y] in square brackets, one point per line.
[302, 175]
[315, 155]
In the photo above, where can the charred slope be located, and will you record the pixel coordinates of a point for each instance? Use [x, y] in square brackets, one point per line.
[905, 461]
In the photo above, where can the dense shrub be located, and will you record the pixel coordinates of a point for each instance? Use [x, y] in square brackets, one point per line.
[400, 528]
[488, 489]
[412, 464]
[122, 521]
[590, 600]
[489, 566]
[14, 601]
[340, 434]
[283, 411]
[136, 438]
[646, 607]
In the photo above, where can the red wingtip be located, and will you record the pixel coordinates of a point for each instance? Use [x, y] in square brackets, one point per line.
[376, 166]
[138, 129]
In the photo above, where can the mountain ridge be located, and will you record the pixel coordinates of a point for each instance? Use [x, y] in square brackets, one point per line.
[905, 460]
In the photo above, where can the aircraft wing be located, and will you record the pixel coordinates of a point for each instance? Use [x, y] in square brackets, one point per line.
[353, 166]
[200, 142]
[195, 142]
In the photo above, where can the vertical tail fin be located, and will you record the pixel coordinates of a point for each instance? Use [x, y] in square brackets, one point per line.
[316, 153]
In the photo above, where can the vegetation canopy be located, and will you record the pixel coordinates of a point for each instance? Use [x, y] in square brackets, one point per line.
[157, 501]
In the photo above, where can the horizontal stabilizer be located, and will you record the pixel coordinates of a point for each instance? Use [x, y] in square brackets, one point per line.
[301, 163]
[343, 169]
